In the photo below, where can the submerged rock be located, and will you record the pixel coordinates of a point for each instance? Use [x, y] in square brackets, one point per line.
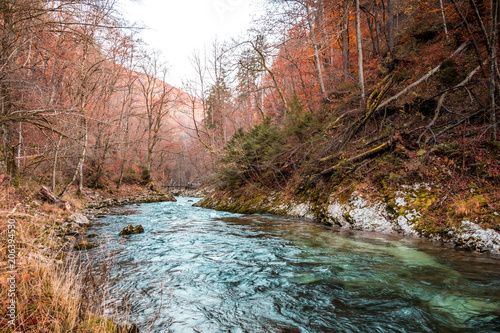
[130, 229]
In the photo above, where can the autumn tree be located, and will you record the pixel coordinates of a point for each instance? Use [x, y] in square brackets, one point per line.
[359, 43]
[95, 19]
[157, 99]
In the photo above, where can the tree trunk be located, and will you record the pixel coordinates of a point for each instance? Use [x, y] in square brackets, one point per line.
[54, 166]
[125, 149]
[390, 25]
[493, 66]
[377, 30]
[444, 19]
[8, 147]
[82, 158]
[422, 79]
[271, 74]
[371, 28]
[360, 54]
[372, 152]
[345, 41]
[47, 195]
[319, 69]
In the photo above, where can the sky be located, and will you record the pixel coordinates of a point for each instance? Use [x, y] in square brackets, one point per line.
[178, 27]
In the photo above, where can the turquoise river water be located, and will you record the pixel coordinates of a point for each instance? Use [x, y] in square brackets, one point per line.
[200, 270]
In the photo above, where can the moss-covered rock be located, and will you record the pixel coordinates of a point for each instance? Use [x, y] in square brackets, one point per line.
[130, 230]
[84, 245]
[410, 210]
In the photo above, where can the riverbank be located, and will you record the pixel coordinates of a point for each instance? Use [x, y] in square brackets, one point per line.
[404, 211]
[50, 288]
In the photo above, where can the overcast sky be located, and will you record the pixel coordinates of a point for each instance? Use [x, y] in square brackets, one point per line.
[178, 27]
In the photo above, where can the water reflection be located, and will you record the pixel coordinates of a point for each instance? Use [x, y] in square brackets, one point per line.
[209, 271]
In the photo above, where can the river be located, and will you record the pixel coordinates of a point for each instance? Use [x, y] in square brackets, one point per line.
[199, 270]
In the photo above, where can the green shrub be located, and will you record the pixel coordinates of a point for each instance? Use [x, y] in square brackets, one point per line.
[300, 124]
[145, 176]
[130, 177]
[251, 156]
[448, 74]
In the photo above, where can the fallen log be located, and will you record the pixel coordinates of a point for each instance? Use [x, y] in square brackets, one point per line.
[375, 151]
[47, 195]
[422, 79]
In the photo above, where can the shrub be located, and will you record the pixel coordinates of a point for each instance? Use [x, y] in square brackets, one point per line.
[130, 177]
[145, 176]
[448, 74]
[252, 155]
[299, 123]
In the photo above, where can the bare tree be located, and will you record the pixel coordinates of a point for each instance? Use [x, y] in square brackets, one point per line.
[345, 38]
[359, 43]
[93, 17]
[157, 97]
[390, 25]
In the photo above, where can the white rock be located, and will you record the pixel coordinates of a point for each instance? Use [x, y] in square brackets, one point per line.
[302, 210]
[79, 219]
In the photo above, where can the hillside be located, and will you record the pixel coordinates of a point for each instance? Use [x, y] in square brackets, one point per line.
[421, 140]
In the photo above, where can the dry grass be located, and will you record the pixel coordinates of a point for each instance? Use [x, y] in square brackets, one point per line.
[52, 295]
[474, 205]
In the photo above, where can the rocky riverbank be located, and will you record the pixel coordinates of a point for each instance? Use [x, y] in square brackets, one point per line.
[192, 193]
[71, 233]
[402, 212]
[50, 280]
[101, 207]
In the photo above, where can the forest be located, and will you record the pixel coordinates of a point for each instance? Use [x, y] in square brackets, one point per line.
[83, 102]
[361, 96]
[318, 97]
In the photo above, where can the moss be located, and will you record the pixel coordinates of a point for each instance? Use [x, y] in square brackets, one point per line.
[130, 230]
[84, 246]
[448, 74]
[97, 323]
[450, 150]
[492, 220]
[423, 199]
[348, 87]
[348, 218]
[389, 197]
[391, 207]
[421, 152]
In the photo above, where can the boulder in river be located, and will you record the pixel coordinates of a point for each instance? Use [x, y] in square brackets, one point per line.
[130, 229]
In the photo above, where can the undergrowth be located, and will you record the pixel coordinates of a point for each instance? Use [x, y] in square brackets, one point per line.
[300, 154]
